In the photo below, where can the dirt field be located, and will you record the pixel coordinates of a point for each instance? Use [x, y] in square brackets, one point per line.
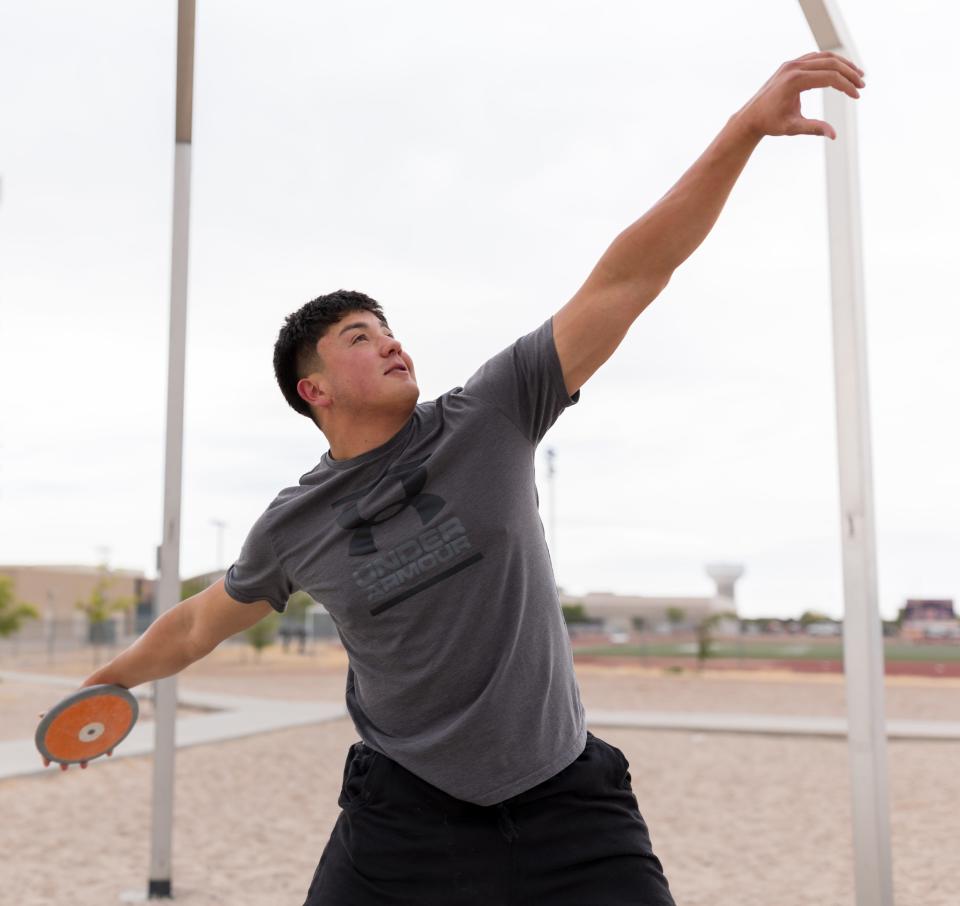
[750, 820]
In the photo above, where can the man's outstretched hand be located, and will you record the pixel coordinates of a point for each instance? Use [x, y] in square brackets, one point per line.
[775, 108]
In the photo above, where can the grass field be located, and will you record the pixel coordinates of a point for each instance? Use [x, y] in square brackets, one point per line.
[772, 649]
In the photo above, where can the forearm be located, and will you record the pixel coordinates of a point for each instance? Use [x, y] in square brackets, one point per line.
[164, 649]
[641, 260]
[650, 250]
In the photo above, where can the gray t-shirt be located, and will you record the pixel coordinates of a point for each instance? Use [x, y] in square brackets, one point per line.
[430, 555]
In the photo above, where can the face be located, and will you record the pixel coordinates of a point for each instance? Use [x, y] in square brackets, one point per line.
[364, 367]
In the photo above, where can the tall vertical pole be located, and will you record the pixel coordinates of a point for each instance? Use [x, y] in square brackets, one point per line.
[862, 636]
[168, 588]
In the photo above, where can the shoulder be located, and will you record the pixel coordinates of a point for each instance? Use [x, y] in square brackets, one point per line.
[282, 505]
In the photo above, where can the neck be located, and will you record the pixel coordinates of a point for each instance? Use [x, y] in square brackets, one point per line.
[349, 441]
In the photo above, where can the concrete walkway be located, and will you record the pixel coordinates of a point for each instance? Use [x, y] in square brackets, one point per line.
[226, 717]
[233, 717]
[775, 724]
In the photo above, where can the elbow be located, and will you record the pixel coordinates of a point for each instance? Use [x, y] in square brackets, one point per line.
[186, 632]
[660, 281]
[645, 289]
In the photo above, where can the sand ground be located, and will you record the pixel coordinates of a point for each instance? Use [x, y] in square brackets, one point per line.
[737, 819]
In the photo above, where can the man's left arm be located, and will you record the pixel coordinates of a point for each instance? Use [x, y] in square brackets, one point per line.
[639, 263]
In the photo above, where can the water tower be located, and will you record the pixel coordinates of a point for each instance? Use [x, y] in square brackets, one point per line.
[725, 575]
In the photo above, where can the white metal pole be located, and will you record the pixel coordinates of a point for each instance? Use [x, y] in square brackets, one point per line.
[862, 637]
[168, 588]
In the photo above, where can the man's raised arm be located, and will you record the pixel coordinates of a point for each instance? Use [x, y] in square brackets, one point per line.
[640, 261]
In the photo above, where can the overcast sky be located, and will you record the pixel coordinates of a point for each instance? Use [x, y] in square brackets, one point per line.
[466, 166]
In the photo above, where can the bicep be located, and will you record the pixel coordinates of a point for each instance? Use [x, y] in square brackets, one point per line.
[215, 616]
[589, 328]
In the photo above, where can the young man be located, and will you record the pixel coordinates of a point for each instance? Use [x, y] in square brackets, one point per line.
[476, 780]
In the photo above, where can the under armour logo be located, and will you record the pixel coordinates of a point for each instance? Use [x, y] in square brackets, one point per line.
[401, 487]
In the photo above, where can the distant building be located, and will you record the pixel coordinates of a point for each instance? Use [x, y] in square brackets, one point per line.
[661, 613]
[929, 618]
[828, 628]
[619, 611]
[55, 590]
[925, 609]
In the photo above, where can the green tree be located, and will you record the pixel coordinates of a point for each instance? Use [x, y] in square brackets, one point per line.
[705, 637]
[13, 613]
[574, 613]
[640, 625]
[100, 606]
[297, 605]
[809, 617]
[675, 617]
[263, 633]
[191, 587]
[293, 622]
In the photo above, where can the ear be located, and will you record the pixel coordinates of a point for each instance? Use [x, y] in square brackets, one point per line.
[312, 393]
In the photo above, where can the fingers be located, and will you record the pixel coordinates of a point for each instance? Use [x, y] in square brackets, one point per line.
[804, 126]
[834, 72]
[852, 73]
[824, 78]
[826, 55]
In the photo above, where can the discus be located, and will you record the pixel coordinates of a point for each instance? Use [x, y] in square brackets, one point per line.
[86, 724]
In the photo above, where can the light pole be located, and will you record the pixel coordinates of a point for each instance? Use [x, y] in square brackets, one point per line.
[862, 638]
[160, 883]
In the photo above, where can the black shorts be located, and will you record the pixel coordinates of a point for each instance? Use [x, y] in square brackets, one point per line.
[577, 839]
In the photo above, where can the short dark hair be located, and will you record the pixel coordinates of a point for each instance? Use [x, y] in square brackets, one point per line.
[295, 352]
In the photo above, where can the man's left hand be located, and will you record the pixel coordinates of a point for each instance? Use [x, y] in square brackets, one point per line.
[775, 108]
